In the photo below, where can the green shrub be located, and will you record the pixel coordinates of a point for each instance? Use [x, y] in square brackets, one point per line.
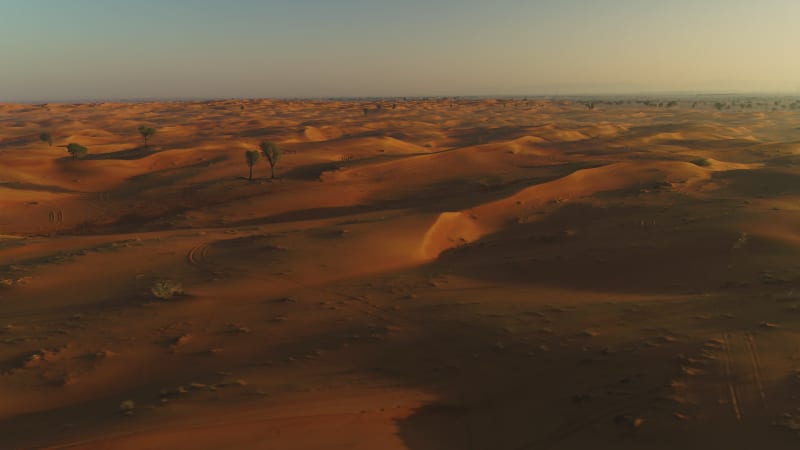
[166, 289]
[77, 150]
[126, 407]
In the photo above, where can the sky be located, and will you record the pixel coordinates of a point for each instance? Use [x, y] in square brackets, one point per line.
[54, 50]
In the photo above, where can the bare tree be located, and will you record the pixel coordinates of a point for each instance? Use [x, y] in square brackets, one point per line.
[252, 157]
[272, 152]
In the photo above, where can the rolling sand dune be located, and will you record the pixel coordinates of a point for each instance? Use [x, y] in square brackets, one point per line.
[428, 275]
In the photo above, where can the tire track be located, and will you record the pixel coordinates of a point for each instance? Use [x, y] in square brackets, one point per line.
[756, 360]
[744, 376]
[728, 367]
[198, 256]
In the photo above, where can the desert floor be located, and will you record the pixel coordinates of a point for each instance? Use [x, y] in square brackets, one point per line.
[446, 274]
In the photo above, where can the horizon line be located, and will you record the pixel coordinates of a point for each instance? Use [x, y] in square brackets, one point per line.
[578, 94]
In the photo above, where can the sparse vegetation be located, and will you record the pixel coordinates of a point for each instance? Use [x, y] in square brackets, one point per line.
[77, 150]
[166, 289]
[702, 162]
[252, 157]
[126, 407]
[272, 153]
[742, 241]
[46, 137]
[147, 133]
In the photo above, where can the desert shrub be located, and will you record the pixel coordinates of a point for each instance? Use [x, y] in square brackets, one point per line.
[166, 289]
[46, 137]
[702, 162]
[126, 407]
[77, 150]
[147, 133]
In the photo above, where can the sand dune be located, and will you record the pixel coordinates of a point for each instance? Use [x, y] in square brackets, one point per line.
[444, 274]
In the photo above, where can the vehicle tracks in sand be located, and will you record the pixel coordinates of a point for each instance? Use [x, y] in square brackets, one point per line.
[742, 380]
[198, 256]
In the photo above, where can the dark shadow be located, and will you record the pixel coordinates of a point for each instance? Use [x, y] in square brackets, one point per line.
[486, 135]
[37, 187]
[692, 246]
[766, 182]
[310, 172]
[521, 374]
[21, 141]
[306, 214]
[127, 155]
[164, 177]
[467, 192]
[788, 161]
[263, 132]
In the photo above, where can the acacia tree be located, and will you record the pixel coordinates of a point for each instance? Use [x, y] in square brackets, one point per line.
[252, 157]
[273, 154]
[146, 133]
[77, 150]
[46, 137]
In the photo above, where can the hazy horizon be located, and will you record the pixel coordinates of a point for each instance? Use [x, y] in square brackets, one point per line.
[86, 50]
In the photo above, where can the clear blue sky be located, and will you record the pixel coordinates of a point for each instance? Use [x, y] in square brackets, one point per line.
[112, 49]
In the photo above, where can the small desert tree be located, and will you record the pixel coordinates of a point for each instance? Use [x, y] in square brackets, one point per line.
[252, 157]
[77, 150]
[46, 137]
[273, 154]
[147, 133]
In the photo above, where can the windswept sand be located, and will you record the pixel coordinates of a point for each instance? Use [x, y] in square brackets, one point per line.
[439, 275]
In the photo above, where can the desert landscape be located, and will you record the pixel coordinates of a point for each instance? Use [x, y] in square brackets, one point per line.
[422, 274]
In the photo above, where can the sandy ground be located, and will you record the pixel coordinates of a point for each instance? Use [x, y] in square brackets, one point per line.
[439, 275]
